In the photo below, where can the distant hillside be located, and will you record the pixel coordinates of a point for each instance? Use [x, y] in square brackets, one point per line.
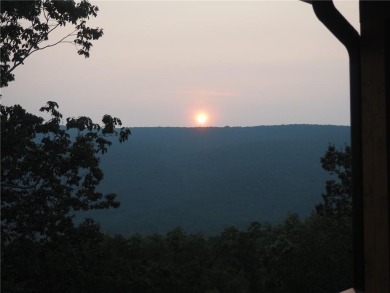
[205, 179]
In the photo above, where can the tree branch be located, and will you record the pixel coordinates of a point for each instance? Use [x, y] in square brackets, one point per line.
[15, 186]
[56, 43]
[30, 51]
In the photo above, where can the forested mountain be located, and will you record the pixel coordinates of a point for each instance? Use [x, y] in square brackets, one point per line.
[206, 179]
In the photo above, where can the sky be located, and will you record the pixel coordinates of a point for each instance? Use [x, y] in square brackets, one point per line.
[160, 63]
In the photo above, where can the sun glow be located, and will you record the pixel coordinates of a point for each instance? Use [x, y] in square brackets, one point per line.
[201, 118]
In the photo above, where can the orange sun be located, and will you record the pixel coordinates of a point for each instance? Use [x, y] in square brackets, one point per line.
[201, 118]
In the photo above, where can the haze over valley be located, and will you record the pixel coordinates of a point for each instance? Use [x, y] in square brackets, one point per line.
[206, 178]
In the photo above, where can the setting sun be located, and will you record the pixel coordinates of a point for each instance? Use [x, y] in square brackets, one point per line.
[201, 118]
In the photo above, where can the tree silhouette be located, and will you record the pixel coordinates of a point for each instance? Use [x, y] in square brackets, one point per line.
[338, 198]
[27, 25]
[50, 171]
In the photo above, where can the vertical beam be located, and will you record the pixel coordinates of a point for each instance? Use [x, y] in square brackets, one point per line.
[375, 18]
[327, 13]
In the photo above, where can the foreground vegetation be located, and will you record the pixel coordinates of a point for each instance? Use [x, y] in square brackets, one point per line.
[313, 255]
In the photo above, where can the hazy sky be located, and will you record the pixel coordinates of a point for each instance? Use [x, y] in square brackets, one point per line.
[244, 63]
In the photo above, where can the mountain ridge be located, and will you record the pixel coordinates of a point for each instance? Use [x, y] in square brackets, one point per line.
[207, 178]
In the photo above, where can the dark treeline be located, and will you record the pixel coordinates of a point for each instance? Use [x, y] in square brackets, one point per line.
[312, 255]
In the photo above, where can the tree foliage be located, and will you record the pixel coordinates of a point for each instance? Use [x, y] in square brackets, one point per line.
[296, 256]
[27, 25]
[50, 171]
[338, 197]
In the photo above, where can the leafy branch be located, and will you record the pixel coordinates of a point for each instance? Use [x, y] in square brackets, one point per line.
[19, 41]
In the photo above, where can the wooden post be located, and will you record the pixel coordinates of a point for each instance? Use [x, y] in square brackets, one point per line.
[375, 83]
